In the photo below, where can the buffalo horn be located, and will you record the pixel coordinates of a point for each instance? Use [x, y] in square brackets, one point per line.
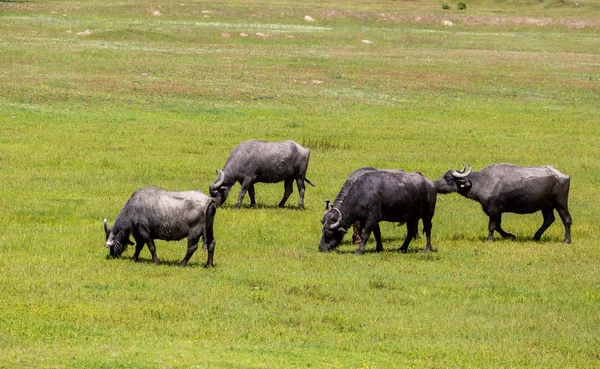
[220, 179]
[106, 229]
[327, 205]
[336, 224]
[462, 174]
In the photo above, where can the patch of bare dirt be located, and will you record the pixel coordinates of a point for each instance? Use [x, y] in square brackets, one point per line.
[470, 20]
[475, 20]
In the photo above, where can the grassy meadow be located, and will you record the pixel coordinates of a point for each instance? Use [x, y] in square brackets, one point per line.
[100, 98]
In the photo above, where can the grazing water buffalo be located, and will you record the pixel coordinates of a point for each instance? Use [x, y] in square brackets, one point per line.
[153, 213]
[381, 195]
[357, 229]
[256, 161]
[507, 188]
[356, 226]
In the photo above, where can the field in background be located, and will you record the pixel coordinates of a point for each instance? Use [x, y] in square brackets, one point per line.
[99, 98]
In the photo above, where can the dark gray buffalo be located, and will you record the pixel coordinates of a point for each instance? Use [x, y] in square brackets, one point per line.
[256, 161]
[356, 226]
[507, 188]
[381, 195]
[153, 213]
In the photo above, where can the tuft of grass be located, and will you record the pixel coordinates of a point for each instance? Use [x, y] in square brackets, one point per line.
[323, 144]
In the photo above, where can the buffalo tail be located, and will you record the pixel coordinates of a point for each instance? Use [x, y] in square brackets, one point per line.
[309, 182]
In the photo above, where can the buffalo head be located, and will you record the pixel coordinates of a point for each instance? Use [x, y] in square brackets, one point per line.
[455, 181]
[217, 190]
[116, 243]
[333, 232]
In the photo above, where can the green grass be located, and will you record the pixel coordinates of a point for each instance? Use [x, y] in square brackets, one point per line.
[86, 119]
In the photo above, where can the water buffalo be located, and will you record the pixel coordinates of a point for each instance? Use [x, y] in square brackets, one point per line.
[356, 226]
[507, 188]
[382, 195]
[256, 161]
[153, 213]
[357, 229]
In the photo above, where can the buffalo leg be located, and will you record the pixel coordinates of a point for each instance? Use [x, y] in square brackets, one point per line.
[495, 225]
[377, 234]
[245, 186]
[192, 247]
[356, 232]
[364, 237]
[301, 187]
[252, 194]
[491, 228]
[427, 230]
[411, 226]
[211, 252]
[565, 216]
[417, 237]
[503, 233]
[139, 245]
[152, 249]
[287, 191]
[548, 214]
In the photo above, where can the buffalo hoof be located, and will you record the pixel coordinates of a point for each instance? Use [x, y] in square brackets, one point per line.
[359, 252]
[403, 250]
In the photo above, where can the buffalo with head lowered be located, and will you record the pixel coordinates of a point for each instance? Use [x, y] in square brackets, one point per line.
[507, 188]
[153, 213]
[357, 228]
[256, 161]
[381, 195]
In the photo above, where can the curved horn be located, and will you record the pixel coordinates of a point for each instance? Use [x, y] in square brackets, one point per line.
[106, 229]
[463, 168]
[463, 174]
[327, 205]
[336, 224]
[220, 179]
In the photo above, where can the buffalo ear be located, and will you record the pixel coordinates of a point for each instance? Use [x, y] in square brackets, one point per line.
[464, 184]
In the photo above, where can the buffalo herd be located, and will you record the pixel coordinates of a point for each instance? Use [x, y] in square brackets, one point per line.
[368, 196]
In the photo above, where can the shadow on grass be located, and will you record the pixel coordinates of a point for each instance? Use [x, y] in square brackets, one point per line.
[411, 250]
[348, 247]
[170, 263]
[497, 239]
